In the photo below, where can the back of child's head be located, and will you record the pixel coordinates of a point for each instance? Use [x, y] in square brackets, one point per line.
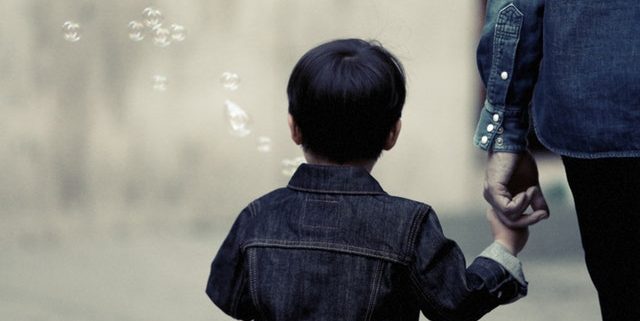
[345, 96]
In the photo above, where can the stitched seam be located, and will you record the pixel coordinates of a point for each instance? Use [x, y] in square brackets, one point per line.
[509, 148]
[508, 109]
[253, 288]
[375, 287]
[579, 154]
[252, 209]
[238, 295]
[508, 18]
[443, 314]
[310, 200]
[330, 246]
[413, 231]
[507, 14]
[424, 295]
[318, 246]
[497, 56]
[335, 191]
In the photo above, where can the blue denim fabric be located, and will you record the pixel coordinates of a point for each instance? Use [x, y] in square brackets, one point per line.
[584, 93]
[334, 246]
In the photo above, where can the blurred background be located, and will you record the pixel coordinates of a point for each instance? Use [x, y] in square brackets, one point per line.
[133, 132]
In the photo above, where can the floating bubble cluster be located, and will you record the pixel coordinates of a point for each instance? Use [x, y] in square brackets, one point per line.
[289, 166]
[136, 31]
[152, 17]
[161, 37]
[178, 32]
[237, 118]
[71, 31]
[151, 24]
[230, 81]
[159, 83]
[264, 144]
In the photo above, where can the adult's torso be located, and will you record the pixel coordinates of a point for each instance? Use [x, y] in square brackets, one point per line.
[587, 100]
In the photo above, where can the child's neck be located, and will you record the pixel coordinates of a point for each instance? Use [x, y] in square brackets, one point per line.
[319, 160]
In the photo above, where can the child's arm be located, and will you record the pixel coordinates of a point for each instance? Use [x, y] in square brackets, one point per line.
[512, 239]
[448, 290]
[227, 286]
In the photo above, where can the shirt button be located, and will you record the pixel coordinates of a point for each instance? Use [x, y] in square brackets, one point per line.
[490, 127]
[500, 130]
[496, 117]
[499, 141]
[504, 75]
[484, 139]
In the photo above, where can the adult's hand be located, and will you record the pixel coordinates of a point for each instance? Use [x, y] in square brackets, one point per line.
[511, 185]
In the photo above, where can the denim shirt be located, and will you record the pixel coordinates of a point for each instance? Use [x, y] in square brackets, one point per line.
[575, 62]
[334, 246]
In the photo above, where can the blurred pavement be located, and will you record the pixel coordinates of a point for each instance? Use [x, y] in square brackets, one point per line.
[153, 275]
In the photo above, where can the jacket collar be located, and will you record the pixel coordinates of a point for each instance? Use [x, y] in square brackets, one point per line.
[334, 180]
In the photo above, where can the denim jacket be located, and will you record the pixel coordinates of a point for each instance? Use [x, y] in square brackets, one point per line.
[334, 246]
[575, 62]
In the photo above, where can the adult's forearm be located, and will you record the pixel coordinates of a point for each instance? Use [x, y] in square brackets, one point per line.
[508, 56]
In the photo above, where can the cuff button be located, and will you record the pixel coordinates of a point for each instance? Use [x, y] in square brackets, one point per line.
[484, 140]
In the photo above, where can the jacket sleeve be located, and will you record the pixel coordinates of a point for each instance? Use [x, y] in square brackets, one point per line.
[228, 285]
[448, 290]
[508, 56]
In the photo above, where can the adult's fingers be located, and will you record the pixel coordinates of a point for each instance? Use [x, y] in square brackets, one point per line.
[538, 202]
[522, 220]
[501, 199]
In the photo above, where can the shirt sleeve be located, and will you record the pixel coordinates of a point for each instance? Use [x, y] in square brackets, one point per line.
[499, 254]
[447, 289]
[227, 286]
[508, 56]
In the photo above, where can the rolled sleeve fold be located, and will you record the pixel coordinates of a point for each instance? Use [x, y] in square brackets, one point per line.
[511, 263]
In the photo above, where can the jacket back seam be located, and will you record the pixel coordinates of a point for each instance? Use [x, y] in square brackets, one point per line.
[375, 287]
[331, 247]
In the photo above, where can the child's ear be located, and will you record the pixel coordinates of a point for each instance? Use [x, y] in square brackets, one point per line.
[296, 134]
[393, 135]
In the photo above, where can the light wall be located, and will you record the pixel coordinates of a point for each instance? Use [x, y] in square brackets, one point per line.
[86, 142]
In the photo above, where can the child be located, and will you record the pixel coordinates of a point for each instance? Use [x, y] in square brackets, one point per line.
[333, 245]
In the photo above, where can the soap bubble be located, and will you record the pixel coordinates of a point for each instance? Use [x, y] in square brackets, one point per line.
[153, 26]
[136, 30]
[161, 37]
[264, 144]
[289, 166]
[159, 83]
[71, 31]
[230, 81]
[178, 32]
[237, 118]
[152, 17]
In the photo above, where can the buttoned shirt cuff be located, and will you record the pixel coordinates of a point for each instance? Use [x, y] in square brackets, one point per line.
[512, 264]
[502, 129]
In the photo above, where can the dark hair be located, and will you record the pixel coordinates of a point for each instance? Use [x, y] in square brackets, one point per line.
[346, 96]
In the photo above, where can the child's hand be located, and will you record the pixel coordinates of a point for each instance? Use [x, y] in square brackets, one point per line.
[513, 239]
